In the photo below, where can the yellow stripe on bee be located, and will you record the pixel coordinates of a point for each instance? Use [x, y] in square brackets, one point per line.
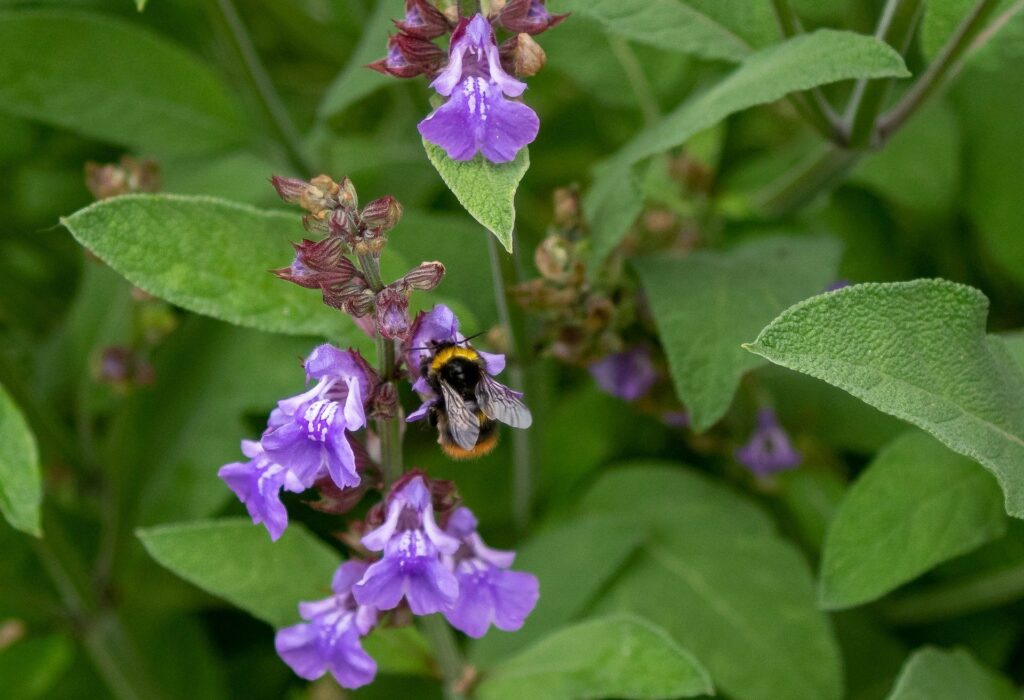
[450, 353]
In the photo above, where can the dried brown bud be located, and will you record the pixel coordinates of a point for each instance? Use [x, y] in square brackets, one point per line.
[382, 214]
[553, 257]
[567, 207]
[527, 57]
[127, 176]
[424, 276]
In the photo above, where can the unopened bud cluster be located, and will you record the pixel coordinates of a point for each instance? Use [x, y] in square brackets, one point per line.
[353, 239]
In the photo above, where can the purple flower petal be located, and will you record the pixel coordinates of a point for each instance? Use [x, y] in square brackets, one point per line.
[628, 375]
[769, 449]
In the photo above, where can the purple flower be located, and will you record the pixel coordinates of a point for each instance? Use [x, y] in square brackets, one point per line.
[258, 484]
[489, 594]
[308, 432]
[329, 641]
[628, 375]
[769, 449]
[837, 284]
[478, 116]
[411, 568]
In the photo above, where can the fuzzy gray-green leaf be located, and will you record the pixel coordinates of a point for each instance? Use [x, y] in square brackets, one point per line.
[21, 490]
[938, 674]
[917, 350]
[486, 190]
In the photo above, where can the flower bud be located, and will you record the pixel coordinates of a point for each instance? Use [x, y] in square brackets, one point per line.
[424, 276]
[522, 55]
[385, 402]
[326, 255]
[392, 313]
[382, 214]
[423, 20]
[341, 224]
[420, 54]
[127, 176]
[347, 196]
[290, 189]
[553, 258]
[529, 16]
[394, 64]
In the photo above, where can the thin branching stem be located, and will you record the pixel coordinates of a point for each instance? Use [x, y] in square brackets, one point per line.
[634, 70]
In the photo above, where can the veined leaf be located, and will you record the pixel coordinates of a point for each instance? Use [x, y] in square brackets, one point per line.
[716, 576]
[21, 490]
[917, 505]
[918, 351]
[210, 256]
[235, 560]
[937, 674]
[487, 190]
[616, 656]
[800, 63]
[114, 81]
[708, 303]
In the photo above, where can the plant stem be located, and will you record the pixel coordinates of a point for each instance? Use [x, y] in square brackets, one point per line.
[446, 654]
[812, 105]
[812, 177]
[896, 27]
[946, 65]
[645, 96]
[522, 486]
[265, 88]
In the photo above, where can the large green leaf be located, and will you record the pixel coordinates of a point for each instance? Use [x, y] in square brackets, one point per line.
[236, 560]
[573, 562]
[620, 656]
[801, 63]
[708, 303]
[917, 505]
[356, 80]
[21, 490]
[937, 674]
[114, 81]
[210, 256]
[487, 190]
[716, 576]
[918, 351]
[665, 24]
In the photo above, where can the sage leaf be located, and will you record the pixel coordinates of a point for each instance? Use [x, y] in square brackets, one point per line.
[707, 304]
[114, 81]
[918, 351]
[486, 190]
[21, 489]
[918, 504]
[615, 656]
[209, 256]
[938, 674]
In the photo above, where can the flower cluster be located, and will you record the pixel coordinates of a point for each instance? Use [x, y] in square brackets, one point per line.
[417, 550]
[480, 114]
[351, 232]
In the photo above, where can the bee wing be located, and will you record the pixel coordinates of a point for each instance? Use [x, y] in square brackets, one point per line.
[462, 422]
[500, 403]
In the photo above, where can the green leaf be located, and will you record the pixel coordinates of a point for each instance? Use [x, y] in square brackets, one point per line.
[21, 489]
[937, 674]
[800, 63]
[616, 656]
[664, 24]
[357, 81]
[918, 351]
[487, 190]
[237, 561]
[30, 668]
[210, 256]
[716, 576]
[917, 505]
[728, 297]
[114, 81]
[573, 562]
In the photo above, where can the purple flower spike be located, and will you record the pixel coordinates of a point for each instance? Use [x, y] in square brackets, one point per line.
[329, 640]
[478, 117]
[489, 594]
[258, 484]
[628, 375]
[412, 543]
[769, 449]
[308, 433]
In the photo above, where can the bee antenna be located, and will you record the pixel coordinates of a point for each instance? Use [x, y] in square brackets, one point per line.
[475, 335]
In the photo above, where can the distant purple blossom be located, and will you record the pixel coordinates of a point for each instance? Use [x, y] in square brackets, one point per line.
[837, 284]
[489, 594]
[769, 449]
[308, 432]
[478, 116]
[628, 375]
[330, 639]
[411, 568]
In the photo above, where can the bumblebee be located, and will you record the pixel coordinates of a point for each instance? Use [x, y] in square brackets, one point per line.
[470, 402]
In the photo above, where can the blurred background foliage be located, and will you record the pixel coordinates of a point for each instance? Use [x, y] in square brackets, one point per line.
[87, 613]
